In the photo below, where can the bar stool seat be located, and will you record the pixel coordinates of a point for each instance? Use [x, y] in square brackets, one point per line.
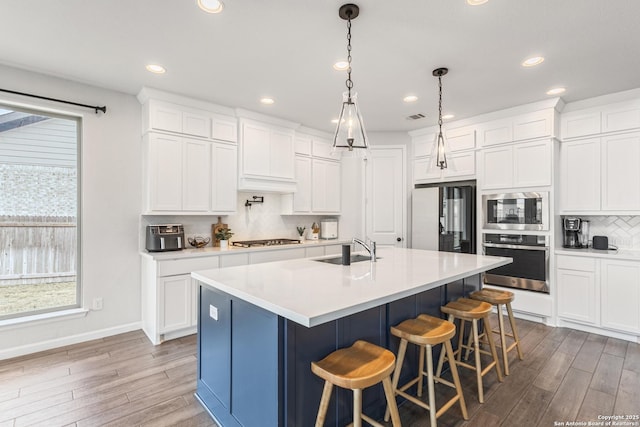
[499, 298]
[426, 331]
[357, 367]
[471, 310]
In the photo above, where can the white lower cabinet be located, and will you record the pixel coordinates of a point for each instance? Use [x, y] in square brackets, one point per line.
[577, 289]
[176, 295]
[169, 296]
[604, 293]
[621, 295]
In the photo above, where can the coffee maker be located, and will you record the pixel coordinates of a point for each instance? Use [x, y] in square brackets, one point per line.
[576, 233]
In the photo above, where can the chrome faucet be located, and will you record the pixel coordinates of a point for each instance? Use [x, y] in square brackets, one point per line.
[371, 247]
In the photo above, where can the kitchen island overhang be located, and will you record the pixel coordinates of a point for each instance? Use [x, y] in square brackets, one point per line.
[260, 326]
[310, 293]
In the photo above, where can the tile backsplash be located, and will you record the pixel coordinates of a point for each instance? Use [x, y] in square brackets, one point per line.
[260, 221]
[622, 231]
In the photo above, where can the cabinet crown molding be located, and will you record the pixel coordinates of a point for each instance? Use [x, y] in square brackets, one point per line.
[147, 93]
[241, 113]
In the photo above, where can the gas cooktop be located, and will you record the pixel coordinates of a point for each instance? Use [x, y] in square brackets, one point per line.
[264, 242]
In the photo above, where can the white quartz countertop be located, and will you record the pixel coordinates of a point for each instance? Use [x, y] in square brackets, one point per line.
[211, 251]
[621, 254]
[310, 293]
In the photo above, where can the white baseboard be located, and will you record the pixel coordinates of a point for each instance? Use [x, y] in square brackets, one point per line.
[598, 331]
[64, 341]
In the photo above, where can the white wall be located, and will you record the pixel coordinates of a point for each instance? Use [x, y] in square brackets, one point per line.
[111, 203]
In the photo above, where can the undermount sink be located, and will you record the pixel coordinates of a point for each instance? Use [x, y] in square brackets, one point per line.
[338, 259]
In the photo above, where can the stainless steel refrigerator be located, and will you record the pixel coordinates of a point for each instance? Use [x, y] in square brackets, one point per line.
[443, 217]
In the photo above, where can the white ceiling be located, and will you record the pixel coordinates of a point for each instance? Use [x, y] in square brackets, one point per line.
[286, 48]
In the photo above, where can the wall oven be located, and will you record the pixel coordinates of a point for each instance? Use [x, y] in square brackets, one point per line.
[516, 211]
[530, 267]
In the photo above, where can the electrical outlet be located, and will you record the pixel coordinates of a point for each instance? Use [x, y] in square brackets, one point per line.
[97, 303]
[213, 312]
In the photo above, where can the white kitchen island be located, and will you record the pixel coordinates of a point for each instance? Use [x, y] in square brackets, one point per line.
[260, 326]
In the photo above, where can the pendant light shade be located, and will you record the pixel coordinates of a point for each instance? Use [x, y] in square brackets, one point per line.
[441, 155]
[350, 133]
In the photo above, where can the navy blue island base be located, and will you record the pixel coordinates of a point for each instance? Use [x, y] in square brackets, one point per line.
[254, 366]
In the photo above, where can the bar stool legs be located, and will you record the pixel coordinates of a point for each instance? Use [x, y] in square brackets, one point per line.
[426, 331]
[499, 298]
[466, 309]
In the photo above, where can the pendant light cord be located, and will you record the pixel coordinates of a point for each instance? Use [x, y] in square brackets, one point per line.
[349, 82]
[440, 103]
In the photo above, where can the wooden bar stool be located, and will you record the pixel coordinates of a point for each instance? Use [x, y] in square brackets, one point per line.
[472, 310]
[499, 298]
[425, 332]
[357, 367]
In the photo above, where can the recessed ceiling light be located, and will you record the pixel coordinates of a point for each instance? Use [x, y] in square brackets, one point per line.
[556, 91]
[267, 100]
[211, 6]
[341, 65]
[155, 68]
[533, 61]
[410, 98]
[476, 2]
[448, 116]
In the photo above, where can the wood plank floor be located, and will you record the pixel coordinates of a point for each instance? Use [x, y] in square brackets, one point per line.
[124, 380]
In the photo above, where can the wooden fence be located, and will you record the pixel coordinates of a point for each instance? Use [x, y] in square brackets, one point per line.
[37, 250]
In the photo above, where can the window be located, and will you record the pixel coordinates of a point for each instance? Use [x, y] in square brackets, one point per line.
[39, 207]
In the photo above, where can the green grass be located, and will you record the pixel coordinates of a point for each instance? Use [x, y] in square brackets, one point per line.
[16, 299]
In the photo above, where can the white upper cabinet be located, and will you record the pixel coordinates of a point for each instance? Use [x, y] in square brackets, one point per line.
[302, 196]
[196, 172]
[460, 146]
[317, 173]
[517, 165]
[189, 156]
[576, 124]
[189, 176]
[621, 172]
[532, 163]
[325, 192]
[495, 132]
[224, 128]
[165, 116]
[497, 168]
[267, 154]
[580, 175]
[537, 124]
[163, 176]
[619, 117]
[601, 174]
[224, 176]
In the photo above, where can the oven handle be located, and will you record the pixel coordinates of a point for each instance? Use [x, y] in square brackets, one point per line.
[498, 245]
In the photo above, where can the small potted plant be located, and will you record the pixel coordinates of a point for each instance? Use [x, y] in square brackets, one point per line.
[301, 232]
[223, 235]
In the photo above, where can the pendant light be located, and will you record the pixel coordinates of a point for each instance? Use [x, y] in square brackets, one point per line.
[441, 156]
[350, 133]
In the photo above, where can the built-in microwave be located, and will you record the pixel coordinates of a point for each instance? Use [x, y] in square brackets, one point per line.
[516, 211]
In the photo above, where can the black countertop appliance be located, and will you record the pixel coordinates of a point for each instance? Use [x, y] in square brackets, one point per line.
[165, 237]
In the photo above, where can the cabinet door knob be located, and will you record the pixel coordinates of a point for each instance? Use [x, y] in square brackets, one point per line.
[399, 239]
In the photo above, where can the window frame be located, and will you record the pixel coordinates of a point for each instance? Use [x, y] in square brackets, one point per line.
[78, 119]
